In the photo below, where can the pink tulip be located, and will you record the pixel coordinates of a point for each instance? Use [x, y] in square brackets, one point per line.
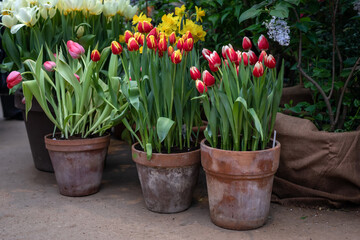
[77, 77]
[14, 78]
[49, 66]
[75, 49]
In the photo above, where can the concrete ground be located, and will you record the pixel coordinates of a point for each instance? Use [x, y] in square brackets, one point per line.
[32, 208]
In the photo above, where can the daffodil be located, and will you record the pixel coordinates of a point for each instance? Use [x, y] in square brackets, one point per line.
[196, 30]
[169, 24]
[180, 11]
[27, 16]
[121, 38]
[199, 13]
[142, 17]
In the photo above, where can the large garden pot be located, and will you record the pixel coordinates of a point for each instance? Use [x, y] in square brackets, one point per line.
[78, 163]
[316, 167]
[37, 126]
[167, 180]
[239, 185]
[295, 95]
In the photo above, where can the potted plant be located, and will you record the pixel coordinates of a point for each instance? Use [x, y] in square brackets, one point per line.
[85, 105]
[159, 90]
[240, 98]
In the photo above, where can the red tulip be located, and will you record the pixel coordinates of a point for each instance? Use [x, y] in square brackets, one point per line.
[188, 44]
[245, 58]
[161, 53]
[127, 36]
[270, 61]
[116, 48]
[237, 70]
[246, 44]
[95, 55]
[172, 38]
[180, 44]
[139, 38]
[187, 35]
[195, 73]
[154, 32]
[263, 43]
[145, 27]
[162, 45]
[132, 44]
[262, 56]
[151, 42]
[213, 68]
[224, 50]
[14, 78]
[206, 53]
[230, 52]
[75, 49]
[214, 59]
[77, 77]
[200, 86]
[176, 57]
[170, 51]
[239, 56]
[252, 57]
[208, 79]
[258, 69]
[49, 66]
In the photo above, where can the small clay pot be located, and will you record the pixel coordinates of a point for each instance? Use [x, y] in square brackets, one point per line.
[167, 180]
[78, 163]
[239, 185]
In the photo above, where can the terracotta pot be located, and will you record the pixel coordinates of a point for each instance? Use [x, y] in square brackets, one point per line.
[167, 180]
[239, 185]
[37, 126]
[78, 163]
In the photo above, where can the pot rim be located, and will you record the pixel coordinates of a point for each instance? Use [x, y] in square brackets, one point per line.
[277, 146]
[105, 139]
[164, 154]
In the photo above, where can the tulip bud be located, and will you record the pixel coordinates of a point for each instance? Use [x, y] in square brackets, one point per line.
[237, 70]
[195, 73]
[176, 57]
[170, 51]
[80, 32]
[205, 52]
[154, 32]
[239, 55]
[14, 78]
[270, 61]
[49, 66]
[230, 52]
[245, 58]
[139, 38]
[172, 38]
[263, 43]
[188, 44]
[187, 35]
[132, 44]
[246, 44]
[252, 57]
[213, 68]
[180, 44]
[127, 36]
[77, 77]
[262, 56]
[144, 27]
[258, 69]
[151, 42]
[200, 86]
[224, 49]
[75, 49]
[95, 55]
[161, 53]
[116, 48]
[214, 59]
[208, 79]
[162, 45]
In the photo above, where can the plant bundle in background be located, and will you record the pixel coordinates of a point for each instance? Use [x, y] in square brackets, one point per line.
[158, 87]
[31, 24]
[73, 93]
[240, 97]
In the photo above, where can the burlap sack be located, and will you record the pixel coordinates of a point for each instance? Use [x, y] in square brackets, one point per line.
[295, 94]
[316, 167]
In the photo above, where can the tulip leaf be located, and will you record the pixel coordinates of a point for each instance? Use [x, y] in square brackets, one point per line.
[256, 122]
[163, 127]
[148, 151]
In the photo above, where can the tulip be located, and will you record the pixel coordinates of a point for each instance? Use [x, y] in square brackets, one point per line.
[132, 44]
[208, 79]
[245, 57]
[258, 69]
[161, 53]
[180, 44]
[176, 57]
[213, 68]
[188, 44]
[230, 52]
[262, 56]
[162, 45]
[49, 66]
[116, 48]
[154, 32]
[205, 52]
[127, 36]
[263, 43]
[172, 38]
[270, 61]
[246, 44]
[145, 27]
[77, 77]
[237, 70]
[151, 42]
[95, 55]
[187, 35]
[139, 38]
[252, 57]
[170, 51]
[14, 78]
[239, 56]
[200, 86]
[195, 73]
[214, 59]
[224, 50]
[75, 49]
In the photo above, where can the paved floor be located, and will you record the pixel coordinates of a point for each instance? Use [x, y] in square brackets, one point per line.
[32, 208]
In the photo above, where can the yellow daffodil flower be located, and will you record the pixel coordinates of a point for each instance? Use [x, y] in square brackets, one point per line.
[199, 13]
[142, 17]
[121, 38]
[180, 11]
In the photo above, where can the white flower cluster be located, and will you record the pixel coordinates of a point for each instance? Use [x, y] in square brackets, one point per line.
[278, 30]
[357, 6]
[18, 13]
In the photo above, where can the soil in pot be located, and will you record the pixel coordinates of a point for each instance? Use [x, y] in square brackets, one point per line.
[167, 180]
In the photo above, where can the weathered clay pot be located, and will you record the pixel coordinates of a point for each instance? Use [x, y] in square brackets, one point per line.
[37, 126]
[78, 163]
[239, 185]
[167, 180]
